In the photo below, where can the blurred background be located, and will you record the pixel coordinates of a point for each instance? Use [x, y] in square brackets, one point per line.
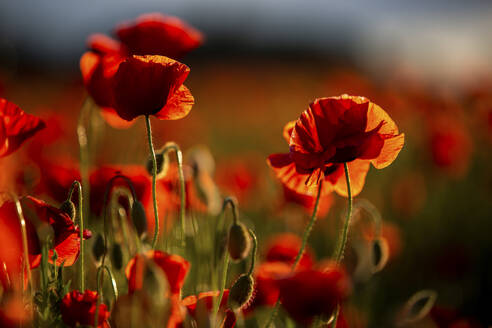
[427, 63]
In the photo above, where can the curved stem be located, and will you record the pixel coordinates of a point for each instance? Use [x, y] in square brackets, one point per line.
[375, 216]
[25, 250]
[232, 202]
[154, 177]
[76, 184]
[182, 187]
[305, 237]
[253, 254]
[346, 226]
[100, 283]
[109, 185]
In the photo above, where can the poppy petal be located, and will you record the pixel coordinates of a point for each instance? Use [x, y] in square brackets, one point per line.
[357, 172]
[389, 152]
[288, 128]
[178, 105]
[144, 84]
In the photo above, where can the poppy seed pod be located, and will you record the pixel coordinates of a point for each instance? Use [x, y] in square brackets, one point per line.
[98, 247]
[117, 256]
[238, 242]
[139, 218]
[241, 292]
[68, 207]
[162, 161]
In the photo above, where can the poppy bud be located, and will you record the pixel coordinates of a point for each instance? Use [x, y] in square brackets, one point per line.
[238, 242]
[117, 256]
[380, 254]
[241, 292]
[68, 207]
[162, 161]
[98, 247]
[139, 218]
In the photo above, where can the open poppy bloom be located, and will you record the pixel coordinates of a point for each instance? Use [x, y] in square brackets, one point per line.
[16, 126]
[66, 239]
[310, 293]
[152, 34]
[79, 309]
[331, 132]
[174, 267]
[138, 85]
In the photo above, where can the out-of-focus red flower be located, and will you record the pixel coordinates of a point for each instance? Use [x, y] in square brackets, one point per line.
[66, 240]
[239, 177]
[80, 309]
[157, 34]
[16, 126]
[445, 317]
[310, 293]
[266, 291]
[451, 146]
[333, 131]
[202, 305]
[13, 312]
[174, 267]
[284, 248]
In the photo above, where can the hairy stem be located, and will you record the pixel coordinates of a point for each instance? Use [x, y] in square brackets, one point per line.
[154, 177]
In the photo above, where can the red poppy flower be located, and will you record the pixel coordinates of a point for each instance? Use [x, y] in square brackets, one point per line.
[284, 248]
[66, 235]
[80, 309]
[157, 34]
[451, 146]
[205, 302]
[16, 127]
[311, 293]
[174, 267]
[333, 131]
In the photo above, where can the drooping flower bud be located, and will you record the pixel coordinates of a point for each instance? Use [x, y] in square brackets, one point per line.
[68, 207]
[162, 161]
[241, 292]
[139, 218]
[238, 242]
[98, 247]
[380, 253]
[117, 256]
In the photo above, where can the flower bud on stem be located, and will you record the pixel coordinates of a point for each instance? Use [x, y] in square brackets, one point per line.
[182, 187]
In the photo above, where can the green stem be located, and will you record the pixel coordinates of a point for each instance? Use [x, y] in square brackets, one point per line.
[76, 184]
[25, 250]
[232, 202]
[253, 254]
[100, 283]
[346, 226]
[182, 187]
[305, 237]
[84, 148]
[154, 177]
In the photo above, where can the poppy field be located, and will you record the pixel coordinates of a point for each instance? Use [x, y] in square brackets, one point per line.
[155, 190]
